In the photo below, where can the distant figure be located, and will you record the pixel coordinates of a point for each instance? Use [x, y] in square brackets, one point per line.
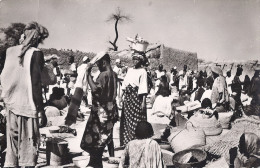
[208, 91]
[118, 70]
[22, 94]
[174, 80]
[200, 91]
[219, 96]
[229, 79]
[183, 83]
[73, 76]
[237, 87]
[160, 72]
[185, 68]
[254, 108]
[247, 83]
[118, 67]
[164, 89]
[81, 70]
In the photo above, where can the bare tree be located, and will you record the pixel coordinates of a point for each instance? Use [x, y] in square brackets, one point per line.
[117, 17]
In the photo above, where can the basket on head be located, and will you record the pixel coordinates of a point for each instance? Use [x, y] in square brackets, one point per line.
[198, 154]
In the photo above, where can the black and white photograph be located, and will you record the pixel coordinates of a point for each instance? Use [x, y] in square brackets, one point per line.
[129, 83]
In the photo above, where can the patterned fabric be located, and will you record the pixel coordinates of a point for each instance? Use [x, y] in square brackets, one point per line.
[99, 128]
[132, 113]
[142, 153]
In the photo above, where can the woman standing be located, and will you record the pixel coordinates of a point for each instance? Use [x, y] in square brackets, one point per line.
[135, 88]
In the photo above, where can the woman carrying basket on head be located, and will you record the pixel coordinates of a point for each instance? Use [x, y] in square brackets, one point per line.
[135, 88]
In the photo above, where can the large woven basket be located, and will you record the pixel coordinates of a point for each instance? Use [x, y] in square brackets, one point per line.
[140, 46]
[187, 138]
[199, 154]
[210, 125]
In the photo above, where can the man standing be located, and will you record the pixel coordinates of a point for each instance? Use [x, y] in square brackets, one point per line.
[22, 94]
[229, 79]
[81, 70]
[236, 87]
[118, 70]
[159, 72]
[99, 128]
[219, 95]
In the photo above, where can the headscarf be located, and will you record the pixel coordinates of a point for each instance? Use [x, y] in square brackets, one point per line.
[251, 147]
[33, 34]
[142, 57]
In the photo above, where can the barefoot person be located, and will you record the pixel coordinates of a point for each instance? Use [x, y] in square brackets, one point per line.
[99, 128]
[22, 94]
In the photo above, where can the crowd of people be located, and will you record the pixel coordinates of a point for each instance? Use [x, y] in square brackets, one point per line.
[106, 91]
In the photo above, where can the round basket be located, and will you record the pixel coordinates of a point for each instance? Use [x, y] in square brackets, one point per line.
[187, 138]
[210, 125]
[140, 46]
[199, 154]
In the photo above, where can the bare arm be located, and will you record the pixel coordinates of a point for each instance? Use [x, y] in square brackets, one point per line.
[37, 64]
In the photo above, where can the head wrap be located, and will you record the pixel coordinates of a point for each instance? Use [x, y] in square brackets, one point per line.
[118, 60]
[142, 57]
[98, 57]
[85, 58]
[251, 144]
[34, 34]
[217, 70]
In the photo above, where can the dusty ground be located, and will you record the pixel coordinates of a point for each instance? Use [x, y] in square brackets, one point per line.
[159, 123]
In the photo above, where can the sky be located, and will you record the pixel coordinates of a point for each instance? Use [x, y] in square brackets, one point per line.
[217, 30]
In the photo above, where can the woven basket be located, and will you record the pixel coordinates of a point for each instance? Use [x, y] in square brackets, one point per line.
[210, 125]
[187, 138]
[199, 154]
[224, 119]
[141, 47]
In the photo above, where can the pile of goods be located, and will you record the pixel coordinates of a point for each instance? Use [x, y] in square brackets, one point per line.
[231, 139]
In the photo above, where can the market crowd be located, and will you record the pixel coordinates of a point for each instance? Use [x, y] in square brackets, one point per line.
[35, 88]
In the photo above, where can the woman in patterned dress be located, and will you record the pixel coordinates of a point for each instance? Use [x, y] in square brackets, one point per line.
[104, 114]
[135, 88]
